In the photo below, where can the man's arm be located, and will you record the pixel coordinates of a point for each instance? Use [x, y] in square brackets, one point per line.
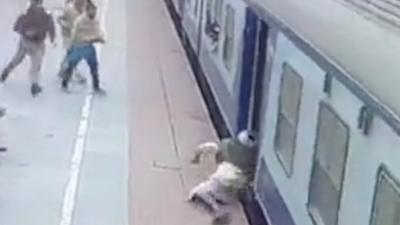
[208, 147]
[98, 40]
[19, 24]
[100, 33]
[51, 28]
[62, 20]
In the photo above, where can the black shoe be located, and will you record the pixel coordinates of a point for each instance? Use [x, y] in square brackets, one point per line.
[3, 149]
[64, 87]
[4, 76]
[64, 84]
[2, 112]
[35, 89]
[99, 91]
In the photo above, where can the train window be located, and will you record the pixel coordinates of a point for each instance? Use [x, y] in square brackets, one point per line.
[289, 107]
[386, 208]
[209, 12]
[329, 163]
[218, 6]
[228, 46]
[212, 28]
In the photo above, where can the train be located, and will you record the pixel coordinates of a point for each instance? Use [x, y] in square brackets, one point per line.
[317, 80]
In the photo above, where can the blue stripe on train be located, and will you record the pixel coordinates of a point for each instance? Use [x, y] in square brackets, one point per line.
[247, 73]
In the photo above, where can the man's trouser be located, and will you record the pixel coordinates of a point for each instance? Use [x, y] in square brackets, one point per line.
[77, 73]
[74, 56]
[35, 50]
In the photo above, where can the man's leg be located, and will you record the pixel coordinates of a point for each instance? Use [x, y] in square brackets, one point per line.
[16, 60]
[2, 112]
[36, 53]
[91, 59]
[74, 56]
[76, 73]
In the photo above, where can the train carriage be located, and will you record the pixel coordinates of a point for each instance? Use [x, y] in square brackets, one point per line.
[213, 30]
[330, 120]
[317, 79]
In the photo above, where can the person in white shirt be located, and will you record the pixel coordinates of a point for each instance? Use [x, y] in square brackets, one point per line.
[85, 34]
[72, 10]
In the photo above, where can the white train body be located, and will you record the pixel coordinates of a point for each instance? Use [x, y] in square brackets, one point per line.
[323, 93]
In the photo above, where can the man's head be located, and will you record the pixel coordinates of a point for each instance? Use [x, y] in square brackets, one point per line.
[247, 138]
[91, 9]
[79, 5]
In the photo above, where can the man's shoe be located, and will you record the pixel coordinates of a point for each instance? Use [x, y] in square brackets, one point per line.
[35, 89]
[99, 91]
[2, 112]
[3, 149]
[4, 75]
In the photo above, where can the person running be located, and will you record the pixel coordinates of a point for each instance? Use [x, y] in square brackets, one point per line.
[85, 34]
[73, 9]
[33, 27]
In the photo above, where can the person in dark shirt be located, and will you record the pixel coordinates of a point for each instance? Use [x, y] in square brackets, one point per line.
[33, 26]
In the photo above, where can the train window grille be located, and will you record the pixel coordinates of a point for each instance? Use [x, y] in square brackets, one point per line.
[331, 148]
[229, 31]
[386, 206]
[210, 18]
[288, 116]
[212, 29]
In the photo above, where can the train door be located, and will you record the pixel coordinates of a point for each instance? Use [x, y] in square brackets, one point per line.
[258, 81]
[254, 55]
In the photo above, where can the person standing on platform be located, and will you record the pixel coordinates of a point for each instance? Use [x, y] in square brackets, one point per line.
[72, 10]
[85, 34]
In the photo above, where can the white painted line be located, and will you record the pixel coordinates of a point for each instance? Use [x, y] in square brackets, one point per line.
[76, 162]
[68, 204]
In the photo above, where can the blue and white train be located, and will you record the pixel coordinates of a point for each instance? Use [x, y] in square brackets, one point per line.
[317, 79]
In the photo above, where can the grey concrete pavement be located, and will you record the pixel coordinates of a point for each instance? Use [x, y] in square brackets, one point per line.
[103, 190]
[168, 119]
[139, 175]
[38, 132]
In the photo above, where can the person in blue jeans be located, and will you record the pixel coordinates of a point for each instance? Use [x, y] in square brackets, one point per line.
[85, 34]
